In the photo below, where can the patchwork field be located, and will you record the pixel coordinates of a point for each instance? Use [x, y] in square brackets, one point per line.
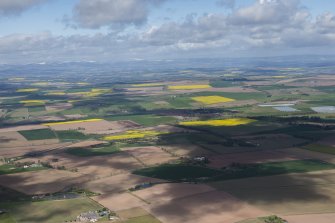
[289, 194]
[41, 182]
[50, 211]
[118, 202]
[93, 126]
[118, 183]
[168, 145]
[214, 206]
[150, 155]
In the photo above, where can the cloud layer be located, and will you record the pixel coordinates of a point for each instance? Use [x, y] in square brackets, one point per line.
[263, 28]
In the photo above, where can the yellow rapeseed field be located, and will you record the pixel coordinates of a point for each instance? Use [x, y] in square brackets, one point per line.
[32, 102]
[148, 85]
[189, 87]
[93, 93]
[73, 122]
[24, 90]
[219, 122]
[212, 99]
[83, 83]
[133, 134]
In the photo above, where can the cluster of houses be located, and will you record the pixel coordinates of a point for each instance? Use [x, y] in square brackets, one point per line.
[34, 165]
[94, 216]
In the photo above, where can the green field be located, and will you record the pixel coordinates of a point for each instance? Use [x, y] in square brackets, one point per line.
[145, 120]
[49, 211]
[320, 148]
[10, 169]
[185, 172]
[237, 96]
[99, 151]
[176, 172]
[143, 219]
[71, 135]
[273, 168]
[36, 109]
[38, 134]
[6, 218]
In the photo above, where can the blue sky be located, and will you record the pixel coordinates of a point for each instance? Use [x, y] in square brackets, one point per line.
[48, 16]
[144, 29]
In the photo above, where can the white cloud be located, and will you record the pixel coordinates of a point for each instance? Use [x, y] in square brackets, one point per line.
[98, 13]
[273, 27]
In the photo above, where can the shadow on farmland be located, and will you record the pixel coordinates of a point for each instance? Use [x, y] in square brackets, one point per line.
[284, 193]
[6, 139]
[299, 189]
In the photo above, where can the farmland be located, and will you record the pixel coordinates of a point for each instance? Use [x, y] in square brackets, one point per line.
[38, 134]
[189, 87]
[219, 122]
[48, 211]
[232, 145]
[212, 99]
[133, 134]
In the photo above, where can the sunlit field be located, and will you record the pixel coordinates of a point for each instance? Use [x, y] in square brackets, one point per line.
[27, 90]
[40, 84]
[58, 93]
[32, 102]
[189, 87]
[133, 134]
[148, 85]
[16, 79]
[93, 93]
[212, 99]
[83, 83]
[73, 122]
[219, 122]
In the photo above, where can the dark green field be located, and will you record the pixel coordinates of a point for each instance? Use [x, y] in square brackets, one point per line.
[177, 172]
[36, 109]
[184, 172]
[38, 134]
[274, 168]
[71, 135]
[99, 151]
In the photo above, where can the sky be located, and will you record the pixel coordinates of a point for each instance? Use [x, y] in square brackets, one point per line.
[44, 31]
